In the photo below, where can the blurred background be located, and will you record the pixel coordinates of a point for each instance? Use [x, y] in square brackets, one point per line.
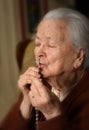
[18, 20]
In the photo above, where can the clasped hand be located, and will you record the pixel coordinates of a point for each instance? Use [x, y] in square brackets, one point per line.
[39, 95]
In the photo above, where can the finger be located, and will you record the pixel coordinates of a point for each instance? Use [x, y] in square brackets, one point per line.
[23, 80]
[22, 83]
[33, 99]
[39, 88]
[35, 91]
[33, 72]
[26, 77]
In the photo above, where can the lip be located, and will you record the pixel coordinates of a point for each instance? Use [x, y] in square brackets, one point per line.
[41, 65]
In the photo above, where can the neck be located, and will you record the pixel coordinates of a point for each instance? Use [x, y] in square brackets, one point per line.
[62, 85]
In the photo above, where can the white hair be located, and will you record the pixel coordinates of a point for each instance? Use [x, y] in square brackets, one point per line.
[78, 26]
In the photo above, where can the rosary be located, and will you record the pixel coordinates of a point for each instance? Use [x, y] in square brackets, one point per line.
[36, 111]
[36, 119]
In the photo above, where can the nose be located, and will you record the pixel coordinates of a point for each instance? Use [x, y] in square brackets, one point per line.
[41, 52]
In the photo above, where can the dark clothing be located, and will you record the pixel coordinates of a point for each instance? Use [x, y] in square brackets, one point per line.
[75, 113]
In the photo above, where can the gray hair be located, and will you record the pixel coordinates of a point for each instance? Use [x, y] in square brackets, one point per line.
[78, 26]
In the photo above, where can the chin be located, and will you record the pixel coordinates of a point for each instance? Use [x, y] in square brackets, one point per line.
[44, 74]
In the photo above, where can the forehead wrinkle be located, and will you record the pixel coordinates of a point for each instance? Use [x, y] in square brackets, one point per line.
[59, 26]
[47, 38]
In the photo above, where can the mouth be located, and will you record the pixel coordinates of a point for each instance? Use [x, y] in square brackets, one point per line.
[41, 65]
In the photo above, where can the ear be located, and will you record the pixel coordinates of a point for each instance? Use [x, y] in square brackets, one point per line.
[79, 59]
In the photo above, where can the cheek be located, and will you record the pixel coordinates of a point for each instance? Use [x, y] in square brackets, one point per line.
[60, 63]
[55, 65]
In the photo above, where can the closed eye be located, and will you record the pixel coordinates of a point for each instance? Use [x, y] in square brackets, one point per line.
[51, 46]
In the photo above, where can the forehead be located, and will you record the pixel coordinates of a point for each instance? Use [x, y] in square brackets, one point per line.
[52, 28]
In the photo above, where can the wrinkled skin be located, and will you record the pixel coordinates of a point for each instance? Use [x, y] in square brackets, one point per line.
[59, 65]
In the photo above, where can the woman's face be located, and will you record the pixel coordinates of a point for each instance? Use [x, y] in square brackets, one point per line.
[53, 48]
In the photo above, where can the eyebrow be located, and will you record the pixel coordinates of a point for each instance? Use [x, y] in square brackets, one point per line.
[48, 38]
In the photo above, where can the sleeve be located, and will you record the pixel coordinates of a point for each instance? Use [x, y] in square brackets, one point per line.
[57, 123]
[75, 117]
[14, 120]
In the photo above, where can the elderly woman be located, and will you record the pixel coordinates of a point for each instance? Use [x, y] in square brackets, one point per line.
[56, 91]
